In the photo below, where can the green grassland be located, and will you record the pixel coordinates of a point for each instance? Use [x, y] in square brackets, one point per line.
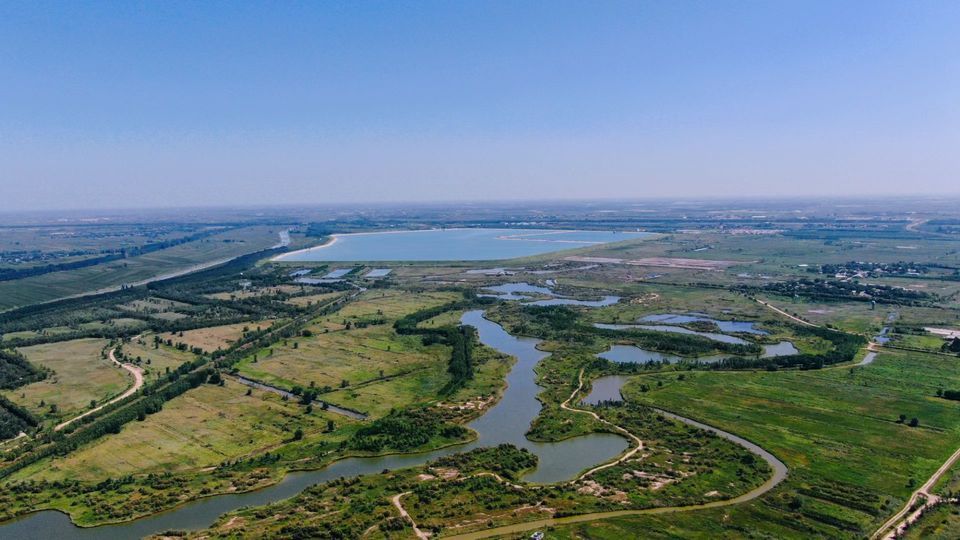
[81, 375]
[212, 338]
[837, 429]
[154, 361]
[358, 354]
[202, 428]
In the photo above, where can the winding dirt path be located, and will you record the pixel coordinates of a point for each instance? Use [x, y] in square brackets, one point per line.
[780, 474]
[639, 443]
[403, 513]
[137, 384]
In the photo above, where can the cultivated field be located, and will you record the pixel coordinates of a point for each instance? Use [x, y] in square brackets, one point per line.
[60, 284]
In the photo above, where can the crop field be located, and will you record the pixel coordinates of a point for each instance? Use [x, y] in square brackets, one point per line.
[80, 375]
[201, 428]
[60, 284]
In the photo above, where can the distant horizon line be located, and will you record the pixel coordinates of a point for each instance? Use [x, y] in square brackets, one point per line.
[497, 202]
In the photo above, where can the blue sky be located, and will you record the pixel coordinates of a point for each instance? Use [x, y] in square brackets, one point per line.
[174, 103]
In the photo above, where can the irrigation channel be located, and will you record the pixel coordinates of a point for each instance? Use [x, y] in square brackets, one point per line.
[505, 422]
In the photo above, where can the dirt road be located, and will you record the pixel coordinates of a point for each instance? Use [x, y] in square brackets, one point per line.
[137, 384]
[639, 443]
[902, 519]
[403, 513]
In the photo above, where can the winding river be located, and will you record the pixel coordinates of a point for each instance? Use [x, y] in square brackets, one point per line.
[506, 422]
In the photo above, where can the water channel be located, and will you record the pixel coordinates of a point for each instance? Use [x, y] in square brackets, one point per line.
[506, 422]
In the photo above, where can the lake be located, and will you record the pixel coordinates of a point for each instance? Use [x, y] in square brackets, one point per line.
[453, 244]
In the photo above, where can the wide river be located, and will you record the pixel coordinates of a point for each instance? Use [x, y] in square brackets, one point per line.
[453, 244]
[506, 422]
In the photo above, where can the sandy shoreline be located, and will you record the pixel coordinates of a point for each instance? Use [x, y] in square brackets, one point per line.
[282, 256]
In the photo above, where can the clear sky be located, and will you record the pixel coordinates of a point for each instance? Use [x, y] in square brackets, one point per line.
[171, 103]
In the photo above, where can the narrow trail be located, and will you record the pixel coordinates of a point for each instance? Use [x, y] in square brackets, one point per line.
[639, 443]
[137, 384]
[780, 474]
[403, 513]
[904, 518]
[787, 315]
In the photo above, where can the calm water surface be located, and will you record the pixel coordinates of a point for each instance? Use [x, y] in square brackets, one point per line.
[524, 292]
[725, 326]
[454, 244]
[630, 354]
[674, 329]
[606, 388]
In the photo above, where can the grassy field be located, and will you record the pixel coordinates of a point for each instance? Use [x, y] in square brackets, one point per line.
[59, 284]
[850, 459]
[215, 337]
[80, 375]
[201, 428]
[241, 294]
[333, 353]
[355, 355]
[154, 361]
[303, 301]
[392, 303]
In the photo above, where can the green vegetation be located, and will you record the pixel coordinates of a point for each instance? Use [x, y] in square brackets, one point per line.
[79, 373]
[851, 461]
[403, 431]
[939, 523]
[857, 439]
[16, 371]
[833, 290]
[114, 273]
[14, 419]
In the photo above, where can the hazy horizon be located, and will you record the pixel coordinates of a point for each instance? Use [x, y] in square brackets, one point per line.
[111, 106]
